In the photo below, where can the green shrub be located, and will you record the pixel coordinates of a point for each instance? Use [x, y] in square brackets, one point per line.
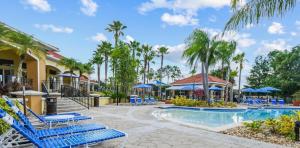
[4, 126]
[286, 126]
[272, 125]
[254, 126]
[182, 101]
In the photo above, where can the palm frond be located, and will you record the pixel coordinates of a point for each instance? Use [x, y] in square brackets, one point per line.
[253, 11]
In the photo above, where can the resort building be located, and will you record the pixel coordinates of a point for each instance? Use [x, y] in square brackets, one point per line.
[186, 87]
[41, 69]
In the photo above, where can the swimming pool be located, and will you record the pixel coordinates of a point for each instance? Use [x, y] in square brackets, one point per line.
[218, 119]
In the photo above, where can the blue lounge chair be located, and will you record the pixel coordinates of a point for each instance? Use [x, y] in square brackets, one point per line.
[74, 114]
[281, 102]
[274, 102]
[52, 120]
[79, 139]
[55, 131]
[147, 101]
[132, 101]
[250, 101]
[153, 101]
[139, 101]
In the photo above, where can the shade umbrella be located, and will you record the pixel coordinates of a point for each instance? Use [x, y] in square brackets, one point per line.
[215, 88]
[142, 86]
[262, 90]
[271, 89]
[249, 90]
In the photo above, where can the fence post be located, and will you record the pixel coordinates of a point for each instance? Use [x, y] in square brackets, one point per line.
[296, 130]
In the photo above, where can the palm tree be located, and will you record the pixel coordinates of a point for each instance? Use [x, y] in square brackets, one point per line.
[104, 50]
[98, 60]
[23, 43]
[168, 71]
[201, 49]
[145, 51]
[240, 59]
[175, 72]
[162, 51]
[117, 28]
[134, 45]
[71, 64]
[231, 47]
[253, 11]
[223, 53]
[150, 58]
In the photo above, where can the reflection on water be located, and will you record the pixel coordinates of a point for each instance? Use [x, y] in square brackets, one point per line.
[217, 118]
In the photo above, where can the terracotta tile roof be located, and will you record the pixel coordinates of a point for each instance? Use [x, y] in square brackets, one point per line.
[198, 79]
[55, 54]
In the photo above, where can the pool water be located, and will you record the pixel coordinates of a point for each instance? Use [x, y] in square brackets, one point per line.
[214, 118]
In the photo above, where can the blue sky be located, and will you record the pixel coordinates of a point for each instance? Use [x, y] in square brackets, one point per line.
[77, 26]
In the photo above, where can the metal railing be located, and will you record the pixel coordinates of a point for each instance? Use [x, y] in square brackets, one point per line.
[80, 96]
[52, 86]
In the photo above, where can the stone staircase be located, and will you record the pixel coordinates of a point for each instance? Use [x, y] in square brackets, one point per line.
[68, 105]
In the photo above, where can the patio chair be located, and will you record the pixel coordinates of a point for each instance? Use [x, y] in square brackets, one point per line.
[147, 101]
[71, 113]
[281, 102]
[42, 133]
[139, 101]
[51, 120]
[152, 100]
[79, 139]
[274, 102]
[132, 101]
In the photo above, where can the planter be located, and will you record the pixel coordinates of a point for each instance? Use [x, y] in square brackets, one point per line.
[296, 102]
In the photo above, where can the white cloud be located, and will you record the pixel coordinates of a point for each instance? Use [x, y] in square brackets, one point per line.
[53, 28]
[179, 19]
[249, 26]
[212, 18]
[276, 28]
[297, 23]
[184, 11]
[128, 38]
[243, 39]
[40, 5]
[89, 7]
[293, 33]
[186, 5]
[267, 46]
[99, 37]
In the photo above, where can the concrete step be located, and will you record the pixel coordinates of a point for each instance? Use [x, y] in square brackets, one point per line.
[68, 105]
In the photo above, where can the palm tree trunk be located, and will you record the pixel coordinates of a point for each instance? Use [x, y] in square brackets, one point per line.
[106, 64]
[98, 74]
[161, 66]
[148, 69]
[145, 68]
[240, 76]
[222, 70]
[19, 69]
[203, 76]
[227, 83]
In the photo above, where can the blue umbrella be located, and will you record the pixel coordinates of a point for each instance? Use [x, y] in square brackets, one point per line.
[157, 82]
[215, 88]
[249, 90]
[270, 89]
[142, 86]
[262, 90]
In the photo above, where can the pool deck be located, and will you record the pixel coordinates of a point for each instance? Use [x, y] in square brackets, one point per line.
[145, 131]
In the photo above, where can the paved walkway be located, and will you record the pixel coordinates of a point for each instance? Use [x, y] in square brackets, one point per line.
[145, 131]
